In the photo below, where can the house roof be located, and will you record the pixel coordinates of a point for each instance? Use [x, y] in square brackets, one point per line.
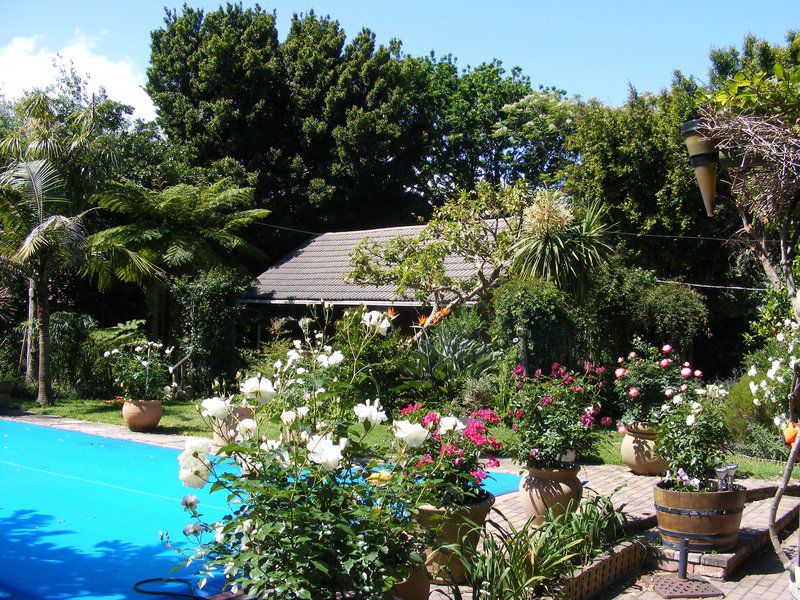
[314, 272]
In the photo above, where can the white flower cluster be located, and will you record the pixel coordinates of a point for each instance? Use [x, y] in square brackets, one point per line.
[370, 412]
[770, 388]
[376, 321]
[195, 468]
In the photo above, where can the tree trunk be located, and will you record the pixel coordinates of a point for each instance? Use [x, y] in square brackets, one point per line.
[29, 334]
[45, 393]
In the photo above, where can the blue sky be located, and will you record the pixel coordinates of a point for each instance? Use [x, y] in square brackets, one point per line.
[591, 48]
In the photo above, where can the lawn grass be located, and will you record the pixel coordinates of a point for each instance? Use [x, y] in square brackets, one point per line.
[182, 418]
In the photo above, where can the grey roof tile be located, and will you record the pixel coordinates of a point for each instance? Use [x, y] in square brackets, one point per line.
[314, 271]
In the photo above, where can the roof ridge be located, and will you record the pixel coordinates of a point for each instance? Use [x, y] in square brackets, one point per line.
[350, 232]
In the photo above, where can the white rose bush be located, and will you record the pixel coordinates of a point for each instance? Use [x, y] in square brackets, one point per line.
[307, 519]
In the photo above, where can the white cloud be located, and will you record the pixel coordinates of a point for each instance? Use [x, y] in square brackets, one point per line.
[25, 64]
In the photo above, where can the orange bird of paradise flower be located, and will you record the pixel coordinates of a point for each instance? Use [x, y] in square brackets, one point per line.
[391, 313]
[421, 320]
[445, 311]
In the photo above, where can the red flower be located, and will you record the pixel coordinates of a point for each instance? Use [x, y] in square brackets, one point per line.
[666, 349]
[546, 401]
[492, 462]
[410, 408]
[633, 392]
[606, 422]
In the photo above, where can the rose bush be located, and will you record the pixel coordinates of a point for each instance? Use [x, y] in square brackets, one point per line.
[647, 378]
[558, 416]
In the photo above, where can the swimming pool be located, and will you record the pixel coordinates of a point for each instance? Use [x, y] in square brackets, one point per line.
[80, 514]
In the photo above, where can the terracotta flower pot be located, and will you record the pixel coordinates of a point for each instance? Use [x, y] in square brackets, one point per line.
[708, 520]
[416, 587]
[638, 451]
[142, 415]
[450, 527]
[224, 431]
[552, 489]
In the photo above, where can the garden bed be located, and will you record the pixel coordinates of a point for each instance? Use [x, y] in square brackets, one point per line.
[608, 568]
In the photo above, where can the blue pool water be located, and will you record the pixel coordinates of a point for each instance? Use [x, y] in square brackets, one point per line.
[80, 514]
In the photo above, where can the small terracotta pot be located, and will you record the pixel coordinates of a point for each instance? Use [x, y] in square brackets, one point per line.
[451, 527]
[416, 587]
[638, 451]
[553, 489]
[142, 415]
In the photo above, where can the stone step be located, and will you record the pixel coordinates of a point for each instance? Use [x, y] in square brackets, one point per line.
[753, 536]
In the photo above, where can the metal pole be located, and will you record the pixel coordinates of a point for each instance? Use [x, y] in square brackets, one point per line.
[682, 558]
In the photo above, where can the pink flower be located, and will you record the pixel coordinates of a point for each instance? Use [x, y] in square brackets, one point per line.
[600, 370]
[619, 373]
[410, 408]
[664, 363]
[519, 371]
[633, 392]
[423, 460]
[534, 453]
[620, 360]
[606, 421]
[496, 444]
[686, 372]
[684, 387]
[698, 373]
[587, 420]
[457, 462]
[492, 462]
[479, 476]
[519, 413]
[666, 348]
[430, 420]
[546, 401]
[621, 428]
[577, 389]
[487, 415]
[632, 355]
[669, 392]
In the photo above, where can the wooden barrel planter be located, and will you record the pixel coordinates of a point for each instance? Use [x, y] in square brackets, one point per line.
[709, 521]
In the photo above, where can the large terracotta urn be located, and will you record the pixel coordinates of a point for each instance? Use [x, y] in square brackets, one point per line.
[452, 526]
[709, 521]
[638, 450]
[545, 489]
[142, 415]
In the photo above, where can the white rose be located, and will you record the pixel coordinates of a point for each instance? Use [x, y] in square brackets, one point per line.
[335, 358]
[189, 502]
[259, 389]
[322, 451]
[302, 411]
[196, 477]
[753, 388]
[247, 428]
[106, 354]
[288, 417]
[383, 326]
[214, 407]
[752, 371]
[690, 420]
[413, 434]
[192, 529]
[448, 424]
[370, 412]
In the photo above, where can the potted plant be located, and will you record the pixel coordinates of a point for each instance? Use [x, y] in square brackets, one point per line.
[142, 375]
[645, 382]
[444, 454]
[697, 500]
[556, 421]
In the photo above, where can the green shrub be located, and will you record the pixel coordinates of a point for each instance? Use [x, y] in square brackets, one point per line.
[550, 324]
[435, 368]
[670, 313]
[73, 353]
[774, 307]
[209, 312]
[740, 412]
[760, 441]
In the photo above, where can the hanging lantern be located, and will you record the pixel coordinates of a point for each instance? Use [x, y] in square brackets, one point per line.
[703, 156]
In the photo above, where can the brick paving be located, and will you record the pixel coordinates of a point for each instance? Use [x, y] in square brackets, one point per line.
[761, 578]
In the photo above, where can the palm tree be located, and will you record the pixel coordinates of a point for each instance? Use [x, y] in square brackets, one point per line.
[560, 242]
[38, 240]
[181, 229]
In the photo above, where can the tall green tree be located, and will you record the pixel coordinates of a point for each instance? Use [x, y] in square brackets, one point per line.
[330, 130]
